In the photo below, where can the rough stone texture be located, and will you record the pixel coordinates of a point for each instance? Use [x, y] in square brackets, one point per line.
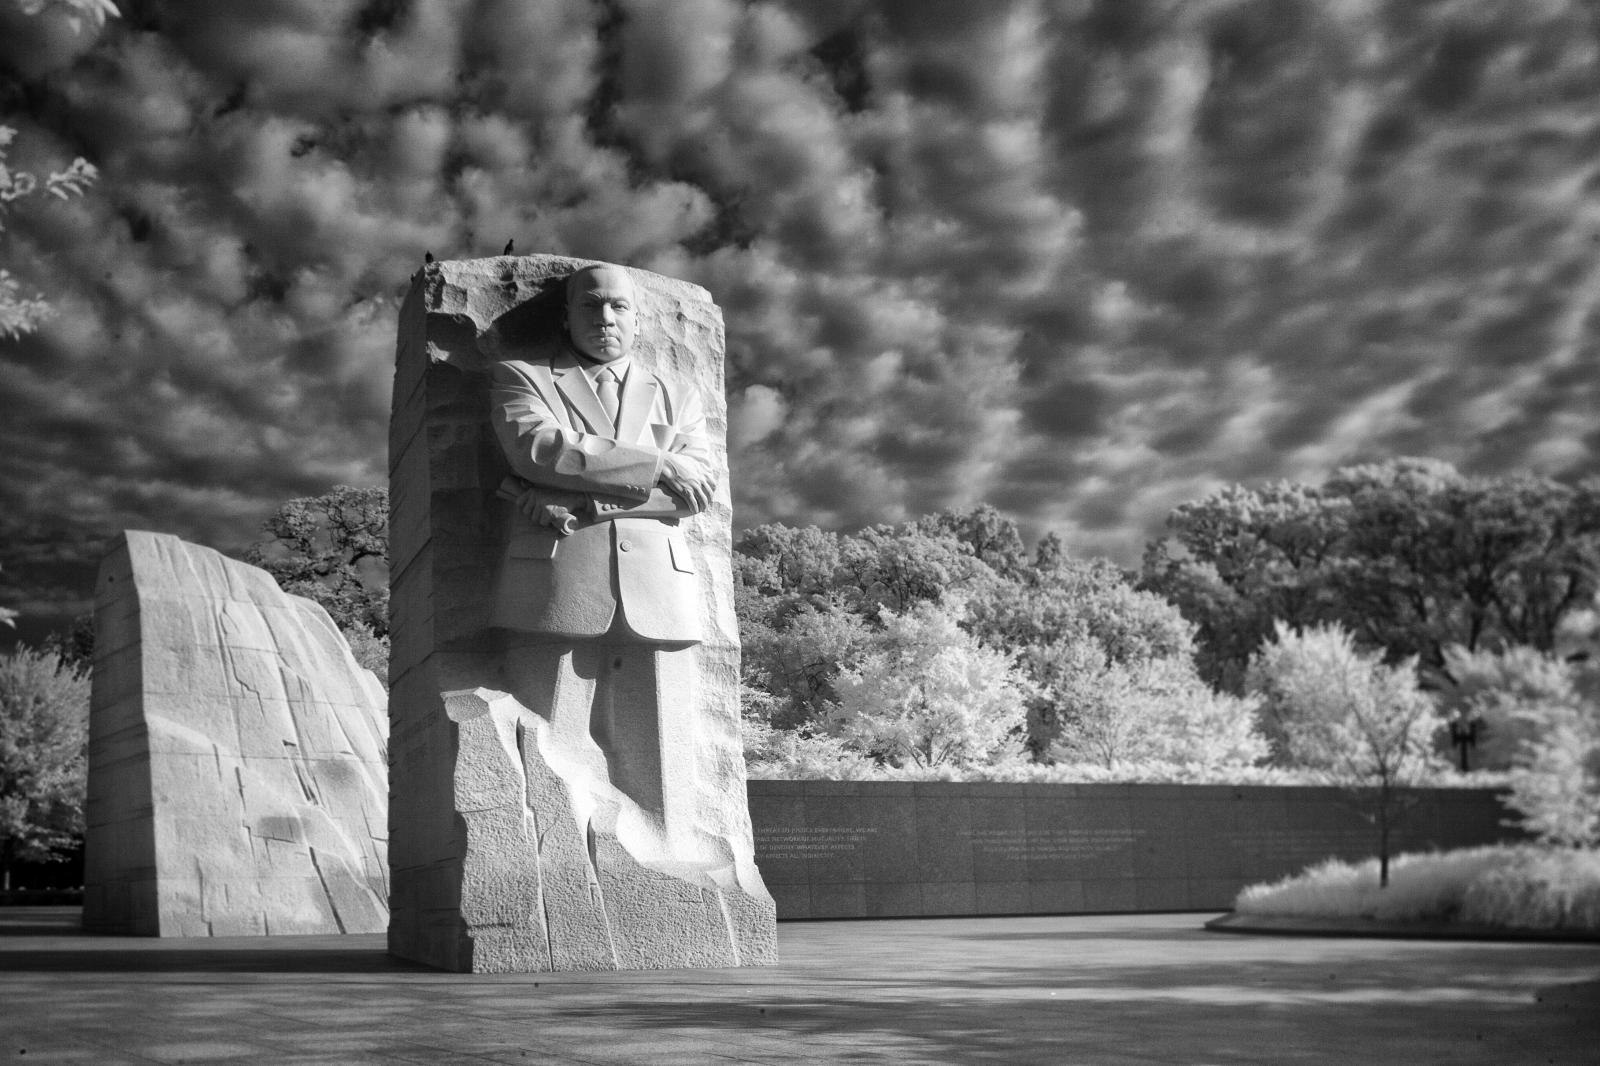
[236, 755]
[508, 853]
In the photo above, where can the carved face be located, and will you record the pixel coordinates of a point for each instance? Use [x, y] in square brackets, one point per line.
[601, 310]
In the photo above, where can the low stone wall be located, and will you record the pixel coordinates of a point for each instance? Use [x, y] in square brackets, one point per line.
[878, 849]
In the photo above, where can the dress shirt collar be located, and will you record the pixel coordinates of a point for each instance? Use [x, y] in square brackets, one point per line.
[593, 369]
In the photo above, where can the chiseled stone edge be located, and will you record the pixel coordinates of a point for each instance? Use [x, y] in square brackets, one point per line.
[141, 877]
[450, 317]
[540, 893]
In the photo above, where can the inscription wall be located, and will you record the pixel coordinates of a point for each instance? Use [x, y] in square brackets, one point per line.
[858, 849]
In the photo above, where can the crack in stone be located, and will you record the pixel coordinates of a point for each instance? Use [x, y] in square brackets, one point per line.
[326, 891]
[532, 815]
[253, 655]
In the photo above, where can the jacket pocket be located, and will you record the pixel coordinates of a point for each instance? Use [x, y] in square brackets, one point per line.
[682, 561]
[534, 547]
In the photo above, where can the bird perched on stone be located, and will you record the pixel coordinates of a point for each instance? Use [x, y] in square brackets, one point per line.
[427, 257]
[508, 246]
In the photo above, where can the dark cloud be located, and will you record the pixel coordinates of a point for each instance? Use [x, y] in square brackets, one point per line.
[1066, 409]
[1082, 260]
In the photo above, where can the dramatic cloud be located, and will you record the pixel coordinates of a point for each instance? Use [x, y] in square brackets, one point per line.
[1082, 260]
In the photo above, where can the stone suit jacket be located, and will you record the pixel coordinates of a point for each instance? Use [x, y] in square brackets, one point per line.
[628, 564]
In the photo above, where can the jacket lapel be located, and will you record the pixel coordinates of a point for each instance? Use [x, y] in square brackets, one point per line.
[633, 406]
[574, 386]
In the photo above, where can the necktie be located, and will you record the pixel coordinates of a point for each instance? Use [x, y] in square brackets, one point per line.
[607, 387]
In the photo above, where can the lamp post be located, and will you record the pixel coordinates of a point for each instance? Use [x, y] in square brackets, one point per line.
[1464, 735]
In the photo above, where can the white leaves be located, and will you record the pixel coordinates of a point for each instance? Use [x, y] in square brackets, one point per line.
[15, 184]
[77, 12]
[1154, 710]
[932, 694]
[1555, 782]
[20, 314]
[74, 181]
[1328, 705]
[63, 184]
[44, 720]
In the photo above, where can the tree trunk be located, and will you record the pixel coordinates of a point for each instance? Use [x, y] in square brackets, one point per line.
[1383, 837]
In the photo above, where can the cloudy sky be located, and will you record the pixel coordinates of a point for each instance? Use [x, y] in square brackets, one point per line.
[1082, 259]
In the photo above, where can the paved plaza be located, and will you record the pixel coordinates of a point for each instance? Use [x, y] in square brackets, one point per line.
[1106, 990]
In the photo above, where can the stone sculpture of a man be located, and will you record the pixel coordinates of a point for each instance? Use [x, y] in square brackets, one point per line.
[597, 579]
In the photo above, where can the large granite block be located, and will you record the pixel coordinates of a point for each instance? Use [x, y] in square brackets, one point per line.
[236, 755]
[524, 838]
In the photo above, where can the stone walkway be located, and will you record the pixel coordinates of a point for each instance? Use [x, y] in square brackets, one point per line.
[1103, 990]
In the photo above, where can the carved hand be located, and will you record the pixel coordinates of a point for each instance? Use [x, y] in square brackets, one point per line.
[562, 511]
[686, 478]
[553, 510]
[557, 517]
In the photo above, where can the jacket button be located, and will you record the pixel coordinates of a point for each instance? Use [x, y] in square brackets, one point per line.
[625, 545]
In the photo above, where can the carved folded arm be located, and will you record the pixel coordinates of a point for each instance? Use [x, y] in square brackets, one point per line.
[567, 512]
[687, 474]
[544, 451]
[661, 504]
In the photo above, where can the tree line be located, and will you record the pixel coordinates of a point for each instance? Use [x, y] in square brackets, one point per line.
[1345, 630]
[1335, 629]
[1410, 556]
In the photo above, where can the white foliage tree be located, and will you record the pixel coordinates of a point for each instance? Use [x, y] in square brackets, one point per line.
[930, 694]
[1555, 785]
[1493, 688]
[20, 312]
[1153, 711]
[1327, 705]
[1332, 707]
[44, 721]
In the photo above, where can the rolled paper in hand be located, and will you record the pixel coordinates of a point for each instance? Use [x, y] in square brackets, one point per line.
[560, 519]
[527, 499]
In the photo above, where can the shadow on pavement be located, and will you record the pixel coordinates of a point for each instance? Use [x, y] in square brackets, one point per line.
[1067, 935]
[222, 959]
[64, 947]
[15, 922]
